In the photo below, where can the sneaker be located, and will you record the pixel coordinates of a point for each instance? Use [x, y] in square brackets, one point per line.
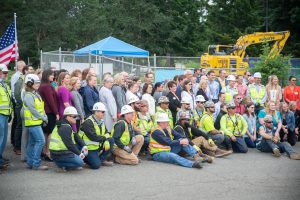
[295, 156]
[42, 167]
[221, 153]
[276, 152]
[107, 163]
[197, 165]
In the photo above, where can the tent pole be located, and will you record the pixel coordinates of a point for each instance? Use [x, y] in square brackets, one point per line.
[90, 59]
[122, 63]
[59, 50]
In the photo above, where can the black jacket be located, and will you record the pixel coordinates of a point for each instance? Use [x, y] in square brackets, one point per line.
[201, 92]
[218, 119]
[88, 128]
[119, 129]
[173, 105]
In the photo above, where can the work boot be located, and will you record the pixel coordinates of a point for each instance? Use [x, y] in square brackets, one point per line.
[209, 152]
[208, 159]
[107, 163]
[197, 164]
[197, 157]
[221, 153]
[295, 156]
[42, 167]
[61, 170]
[276, 152]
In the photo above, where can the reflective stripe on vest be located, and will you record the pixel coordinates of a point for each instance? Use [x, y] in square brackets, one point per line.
[257, 96]
[29, 118]
[145, 125]
[56, 143]
[234, 128]
[125, 138]
[92, 145]
[229, 95]
[5, 100]
[155, 147]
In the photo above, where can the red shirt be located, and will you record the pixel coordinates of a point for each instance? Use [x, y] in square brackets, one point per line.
[292, 94]
[239, 108]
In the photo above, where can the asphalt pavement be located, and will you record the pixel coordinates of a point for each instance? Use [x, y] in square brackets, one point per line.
[254, 175]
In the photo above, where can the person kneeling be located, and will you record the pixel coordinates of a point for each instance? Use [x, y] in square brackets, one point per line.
[63, 143]
[95, 136]
[127, 145]
[270, 141]
[165, 144]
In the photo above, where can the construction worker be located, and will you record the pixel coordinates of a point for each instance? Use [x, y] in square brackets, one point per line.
[165, 144]
[257, 92]
[145, 125]
[199, 110]
[230, 90]
[270, 141]
[94, 134]
[34, 118]
[134, 102]
[5, 113]
[234, 126]
[185, 106]
[198, 139]
[64, 143]
[163, 107]
[127, 145]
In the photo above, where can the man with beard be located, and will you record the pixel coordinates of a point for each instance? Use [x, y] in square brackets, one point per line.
[135, 104]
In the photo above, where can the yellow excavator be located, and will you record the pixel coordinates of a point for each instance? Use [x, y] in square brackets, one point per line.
[232, 57]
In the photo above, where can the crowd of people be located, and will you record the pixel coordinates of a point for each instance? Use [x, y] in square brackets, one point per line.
[68, 119]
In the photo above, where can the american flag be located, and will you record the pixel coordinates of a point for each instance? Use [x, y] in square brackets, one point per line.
[8, 46]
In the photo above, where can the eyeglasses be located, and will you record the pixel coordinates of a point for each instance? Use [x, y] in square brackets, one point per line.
[4, 72]
[144, 106]
[294, 80]
[249, 75]
[231, 108]
[199, 102]
[269, 122]
[165, 103]
[74, 117]
[238, 98]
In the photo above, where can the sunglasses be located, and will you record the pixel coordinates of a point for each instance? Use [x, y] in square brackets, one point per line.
[74, 117]
[269, 122]
[102, 111]
[165, 103]
[231, 108]
[5, 72]
[249, 75]
[199, 102]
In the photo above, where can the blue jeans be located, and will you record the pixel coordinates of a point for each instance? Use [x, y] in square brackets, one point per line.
[173, 157]
[36, 142]
[93, 158]
[239, 146]
[249, 142]
[3, 135]
[269, 145]
[69, 162]
[217, 138]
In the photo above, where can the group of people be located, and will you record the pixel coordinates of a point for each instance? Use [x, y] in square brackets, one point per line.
[68, 119]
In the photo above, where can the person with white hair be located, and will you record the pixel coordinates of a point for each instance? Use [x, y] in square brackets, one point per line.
[188, 74]
[107, 98]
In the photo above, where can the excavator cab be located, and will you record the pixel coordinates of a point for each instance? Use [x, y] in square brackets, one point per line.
[220, 50]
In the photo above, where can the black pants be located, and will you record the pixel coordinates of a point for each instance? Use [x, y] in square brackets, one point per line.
[18, 127]
[291, 136]
[13, 125]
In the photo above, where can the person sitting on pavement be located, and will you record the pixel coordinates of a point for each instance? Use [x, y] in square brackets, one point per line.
[198, 139]
[230, 90]
[99, 142]
[199, 110]
[186, 107]
[165, 144]
[270, 141]
[163, 107]
[135, 103]
[64, 143]
[234, 127]
[127, 144]
[222, 112]
[145, 125]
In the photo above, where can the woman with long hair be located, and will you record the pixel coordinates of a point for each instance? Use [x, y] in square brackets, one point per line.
[157, 91]
[287, 132]
[203, 89]
[77, 100]
[133, 88]
[118, 90]
[274, 90]
[188, 93]
[63, 93]
[147, 90]
[49, 96]
[249, 115]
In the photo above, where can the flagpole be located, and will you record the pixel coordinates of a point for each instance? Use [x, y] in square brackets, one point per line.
[16, 40]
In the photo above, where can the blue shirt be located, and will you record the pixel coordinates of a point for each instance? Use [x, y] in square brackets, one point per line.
[251, 121]
[263, 113]
[214, 88]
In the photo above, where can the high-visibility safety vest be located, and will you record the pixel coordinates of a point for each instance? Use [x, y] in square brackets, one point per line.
[197, 117]
[234, 124]
[182, 131]
[168, 112]
[229, 93]
[210, 120]
[56, 143]
[5, 100]
[256, 96]
[145, 123]
[30, 120]
[125, 138]
[154, 146]
[92, 145]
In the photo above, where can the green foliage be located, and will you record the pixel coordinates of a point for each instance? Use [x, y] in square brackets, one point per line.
[279, 65]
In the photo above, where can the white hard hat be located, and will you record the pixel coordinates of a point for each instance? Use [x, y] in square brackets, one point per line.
[70, 110]
[162, 117]
[257, 75]
[209, 104]
[200, 98]
[163, 99]
[184, 115]
[185, 100]
[3, 68]
[231, 78]
[231, 105]
[32, 78]
[126, 109]
[99, 107]
[133, 99]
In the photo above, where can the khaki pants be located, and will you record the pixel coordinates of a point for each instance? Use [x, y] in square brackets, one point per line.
[123, 157]
[203, 143]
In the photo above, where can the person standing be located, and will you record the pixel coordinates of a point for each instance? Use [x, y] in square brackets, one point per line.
[218, 105]
[77, 100]
[147, 90]
[5, 112]
[274, 90]
[174, 100]
[214, 87]
[230, 90]
[90, 95]
[107, 98]
[132, 90]
[34, 117]
[241, 87]
[157, 91]
[222, 78]
[49, 96]
[188, 94]
[203, 89]
[63, 93]
[239, 107]
[118, 90]
[292, 92]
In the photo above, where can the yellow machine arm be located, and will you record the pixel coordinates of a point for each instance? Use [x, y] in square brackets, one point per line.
[260, 37]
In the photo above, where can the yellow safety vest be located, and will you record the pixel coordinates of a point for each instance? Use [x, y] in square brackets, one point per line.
[92, 145]
[125, 138]
[168, 112]
[229, 95]
[155, 147]
[197, 117]
[56, 143]
[30, 120]
[234, 126]
[145, 124]
[5, 100]
[257, 96]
